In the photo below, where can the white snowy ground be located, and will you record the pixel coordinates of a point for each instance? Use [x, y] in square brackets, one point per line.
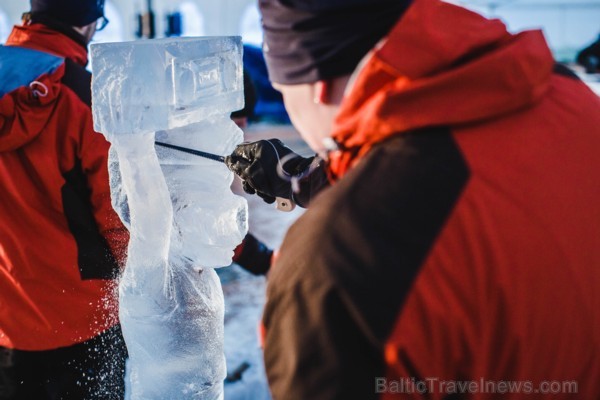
[245, 293]
[592, 80]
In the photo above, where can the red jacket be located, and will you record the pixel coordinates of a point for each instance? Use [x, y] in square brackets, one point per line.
[461, 241]
[59, 238]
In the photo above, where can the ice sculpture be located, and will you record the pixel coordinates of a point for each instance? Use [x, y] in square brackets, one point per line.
[183, 218]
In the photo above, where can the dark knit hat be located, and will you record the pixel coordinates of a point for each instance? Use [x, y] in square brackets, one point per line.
[71, 12]
[310, 40]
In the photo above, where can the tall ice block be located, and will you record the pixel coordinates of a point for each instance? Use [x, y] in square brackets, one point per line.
[183, 219]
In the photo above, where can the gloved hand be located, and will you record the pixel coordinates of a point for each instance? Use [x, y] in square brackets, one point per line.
[266, 168]
[253, 255]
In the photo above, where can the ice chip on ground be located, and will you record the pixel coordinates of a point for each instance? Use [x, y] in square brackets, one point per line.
[182, 216]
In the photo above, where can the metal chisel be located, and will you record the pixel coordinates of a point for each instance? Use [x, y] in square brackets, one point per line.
[282, 204]
[204, 154]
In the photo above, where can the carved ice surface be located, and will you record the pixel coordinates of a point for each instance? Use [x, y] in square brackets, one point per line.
[182, 216]
[150, 85]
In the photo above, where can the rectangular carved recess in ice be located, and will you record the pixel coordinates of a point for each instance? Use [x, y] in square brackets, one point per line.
[146, 86]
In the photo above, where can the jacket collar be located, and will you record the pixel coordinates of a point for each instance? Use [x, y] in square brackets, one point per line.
[440, 65]
[40, 37]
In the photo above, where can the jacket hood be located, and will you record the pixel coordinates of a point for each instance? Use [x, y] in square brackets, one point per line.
[30, 82]
[441, 65]
[24, 114]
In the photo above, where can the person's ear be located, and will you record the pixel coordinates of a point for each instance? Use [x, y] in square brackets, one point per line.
[322, 92]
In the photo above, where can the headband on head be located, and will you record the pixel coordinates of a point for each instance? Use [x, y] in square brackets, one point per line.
[310, 40]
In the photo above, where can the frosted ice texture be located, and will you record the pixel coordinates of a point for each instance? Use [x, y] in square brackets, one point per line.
[150, 85]
[182, 216]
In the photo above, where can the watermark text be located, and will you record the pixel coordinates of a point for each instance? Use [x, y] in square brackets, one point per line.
[485, 386]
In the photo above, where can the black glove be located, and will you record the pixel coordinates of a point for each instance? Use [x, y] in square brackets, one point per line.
[257, 163]
[253, 255]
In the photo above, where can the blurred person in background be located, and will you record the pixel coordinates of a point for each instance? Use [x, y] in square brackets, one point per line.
[589, 57]
[61, 244]
[243, 116]
[252, 255]
[456, 238]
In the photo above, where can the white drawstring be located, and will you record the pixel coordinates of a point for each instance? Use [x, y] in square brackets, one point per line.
[34, 88]
[283, 174]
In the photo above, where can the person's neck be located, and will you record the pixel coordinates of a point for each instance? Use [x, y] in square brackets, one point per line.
[339, 88]
[361, 65]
